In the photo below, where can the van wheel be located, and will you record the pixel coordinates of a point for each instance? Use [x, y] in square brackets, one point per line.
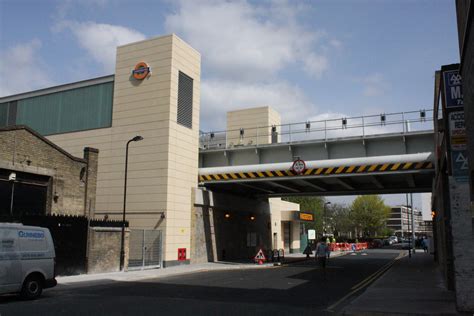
[32, 287]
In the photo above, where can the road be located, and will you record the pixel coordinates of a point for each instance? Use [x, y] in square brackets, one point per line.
[299, 289]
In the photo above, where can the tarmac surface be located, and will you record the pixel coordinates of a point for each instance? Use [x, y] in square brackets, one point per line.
[300, 288]
[372, 282]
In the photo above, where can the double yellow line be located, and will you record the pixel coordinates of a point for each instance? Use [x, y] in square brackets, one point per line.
[362, 284]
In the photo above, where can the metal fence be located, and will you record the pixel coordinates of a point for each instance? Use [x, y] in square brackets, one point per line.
[145, 249]
[401, 122]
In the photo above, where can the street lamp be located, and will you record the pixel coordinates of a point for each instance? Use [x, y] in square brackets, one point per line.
[324, 217]
[122, 244]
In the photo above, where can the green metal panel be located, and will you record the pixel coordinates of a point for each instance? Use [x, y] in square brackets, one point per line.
[3, 114]
[68, 111]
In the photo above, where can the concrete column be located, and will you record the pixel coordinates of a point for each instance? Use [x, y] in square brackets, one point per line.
[295, 237]
[91, 156]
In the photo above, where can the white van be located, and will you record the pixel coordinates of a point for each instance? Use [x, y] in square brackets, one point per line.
[27, 260]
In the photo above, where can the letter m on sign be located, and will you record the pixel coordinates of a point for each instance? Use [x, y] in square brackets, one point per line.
[456, 93]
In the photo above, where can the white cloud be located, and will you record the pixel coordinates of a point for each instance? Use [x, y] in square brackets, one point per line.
[221, 96]
[101, 40]
[245, 41]
[21, 69]
[315, 65]
[245, 49]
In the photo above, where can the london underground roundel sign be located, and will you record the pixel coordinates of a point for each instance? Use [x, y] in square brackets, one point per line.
[299, 166]
[141, 71]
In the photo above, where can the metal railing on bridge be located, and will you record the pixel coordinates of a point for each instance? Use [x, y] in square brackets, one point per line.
[329, 129]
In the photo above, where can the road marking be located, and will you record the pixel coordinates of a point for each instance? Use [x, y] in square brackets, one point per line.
[366, 281]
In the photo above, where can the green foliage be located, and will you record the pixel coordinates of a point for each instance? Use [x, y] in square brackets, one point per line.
[339, 220]
[369, 214]
[365, 217]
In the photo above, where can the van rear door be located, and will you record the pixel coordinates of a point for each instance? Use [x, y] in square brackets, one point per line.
[10, 264]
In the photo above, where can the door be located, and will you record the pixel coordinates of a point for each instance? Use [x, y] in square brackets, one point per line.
[10, 264]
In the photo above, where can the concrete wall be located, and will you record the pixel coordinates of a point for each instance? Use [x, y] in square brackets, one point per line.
[104, 249]
[23, 150]
[162, 168]
[464, 245]
[283, 211]
[228, 227]
[256, 123]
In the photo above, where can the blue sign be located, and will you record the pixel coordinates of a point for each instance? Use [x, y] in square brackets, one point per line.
[453, 88]
[460, 166]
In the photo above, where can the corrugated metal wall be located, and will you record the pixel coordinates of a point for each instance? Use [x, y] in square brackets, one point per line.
[3, 114]
[67, 111]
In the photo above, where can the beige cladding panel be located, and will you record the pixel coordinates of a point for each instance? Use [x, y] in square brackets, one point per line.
[183, 153]
[162, 168]
[255, 122]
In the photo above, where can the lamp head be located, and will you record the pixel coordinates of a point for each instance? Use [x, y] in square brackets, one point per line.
[137, 139]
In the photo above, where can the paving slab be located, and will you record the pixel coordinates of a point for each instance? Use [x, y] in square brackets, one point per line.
[413, 286]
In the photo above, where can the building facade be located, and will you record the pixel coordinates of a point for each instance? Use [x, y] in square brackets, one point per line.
[400, 221]
[154, 93]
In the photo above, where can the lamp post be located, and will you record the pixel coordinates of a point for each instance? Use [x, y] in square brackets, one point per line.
[122, 244]
[324, 217]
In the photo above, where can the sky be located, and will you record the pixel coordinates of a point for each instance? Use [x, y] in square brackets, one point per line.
[307, 59]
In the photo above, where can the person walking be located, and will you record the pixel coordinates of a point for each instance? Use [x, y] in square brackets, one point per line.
[424, 243]
[322, 252]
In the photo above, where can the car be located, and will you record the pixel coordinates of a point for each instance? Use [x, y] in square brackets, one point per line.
[394, 239]
[27, 260]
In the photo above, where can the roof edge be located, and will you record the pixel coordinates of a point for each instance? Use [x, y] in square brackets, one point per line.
[58, 88]
[44, 139]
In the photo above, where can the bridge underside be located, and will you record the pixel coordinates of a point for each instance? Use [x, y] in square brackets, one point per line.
[330, 185]
[377, 175]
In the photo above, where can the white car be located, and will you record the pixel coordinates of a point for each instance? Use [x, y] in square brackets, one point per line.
[394, 239]
[27, 260]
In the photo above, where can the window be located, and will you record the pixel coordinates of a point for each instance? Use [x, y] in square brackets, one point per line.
[185, 100]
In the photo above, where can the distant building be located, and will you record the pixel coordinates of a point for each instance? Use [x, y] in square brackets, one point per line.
[400, 222]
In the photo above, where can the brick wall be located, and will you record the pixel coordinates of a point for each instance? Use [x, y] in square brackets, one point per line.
[23, 150]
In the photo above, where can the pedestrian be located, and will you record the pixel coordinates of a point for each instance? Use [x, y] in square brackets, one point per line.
[321, 253]
[424, 243]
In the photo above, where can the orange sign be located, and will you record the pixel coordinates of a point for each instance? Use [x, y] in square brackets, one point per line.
[306, 217]
[141, 71]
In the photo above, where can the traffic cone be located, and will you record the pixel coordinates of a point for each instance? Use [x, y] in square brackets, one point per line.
[260, 261]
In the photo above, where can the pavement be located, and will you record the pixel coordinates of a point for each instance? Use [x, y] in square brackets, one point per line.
[412, 286]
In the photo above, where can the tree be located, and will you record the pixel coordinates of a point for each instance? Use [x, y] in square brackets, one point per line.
[312, 204]
[369, 214]
[339, 220]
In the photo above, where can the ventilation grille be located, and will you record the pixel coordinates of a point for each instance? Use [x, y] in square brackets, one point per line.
[185, 100]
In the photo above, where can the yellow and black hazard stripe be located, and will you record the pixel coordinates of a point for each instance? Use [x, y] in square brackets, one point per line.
[387, 167]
